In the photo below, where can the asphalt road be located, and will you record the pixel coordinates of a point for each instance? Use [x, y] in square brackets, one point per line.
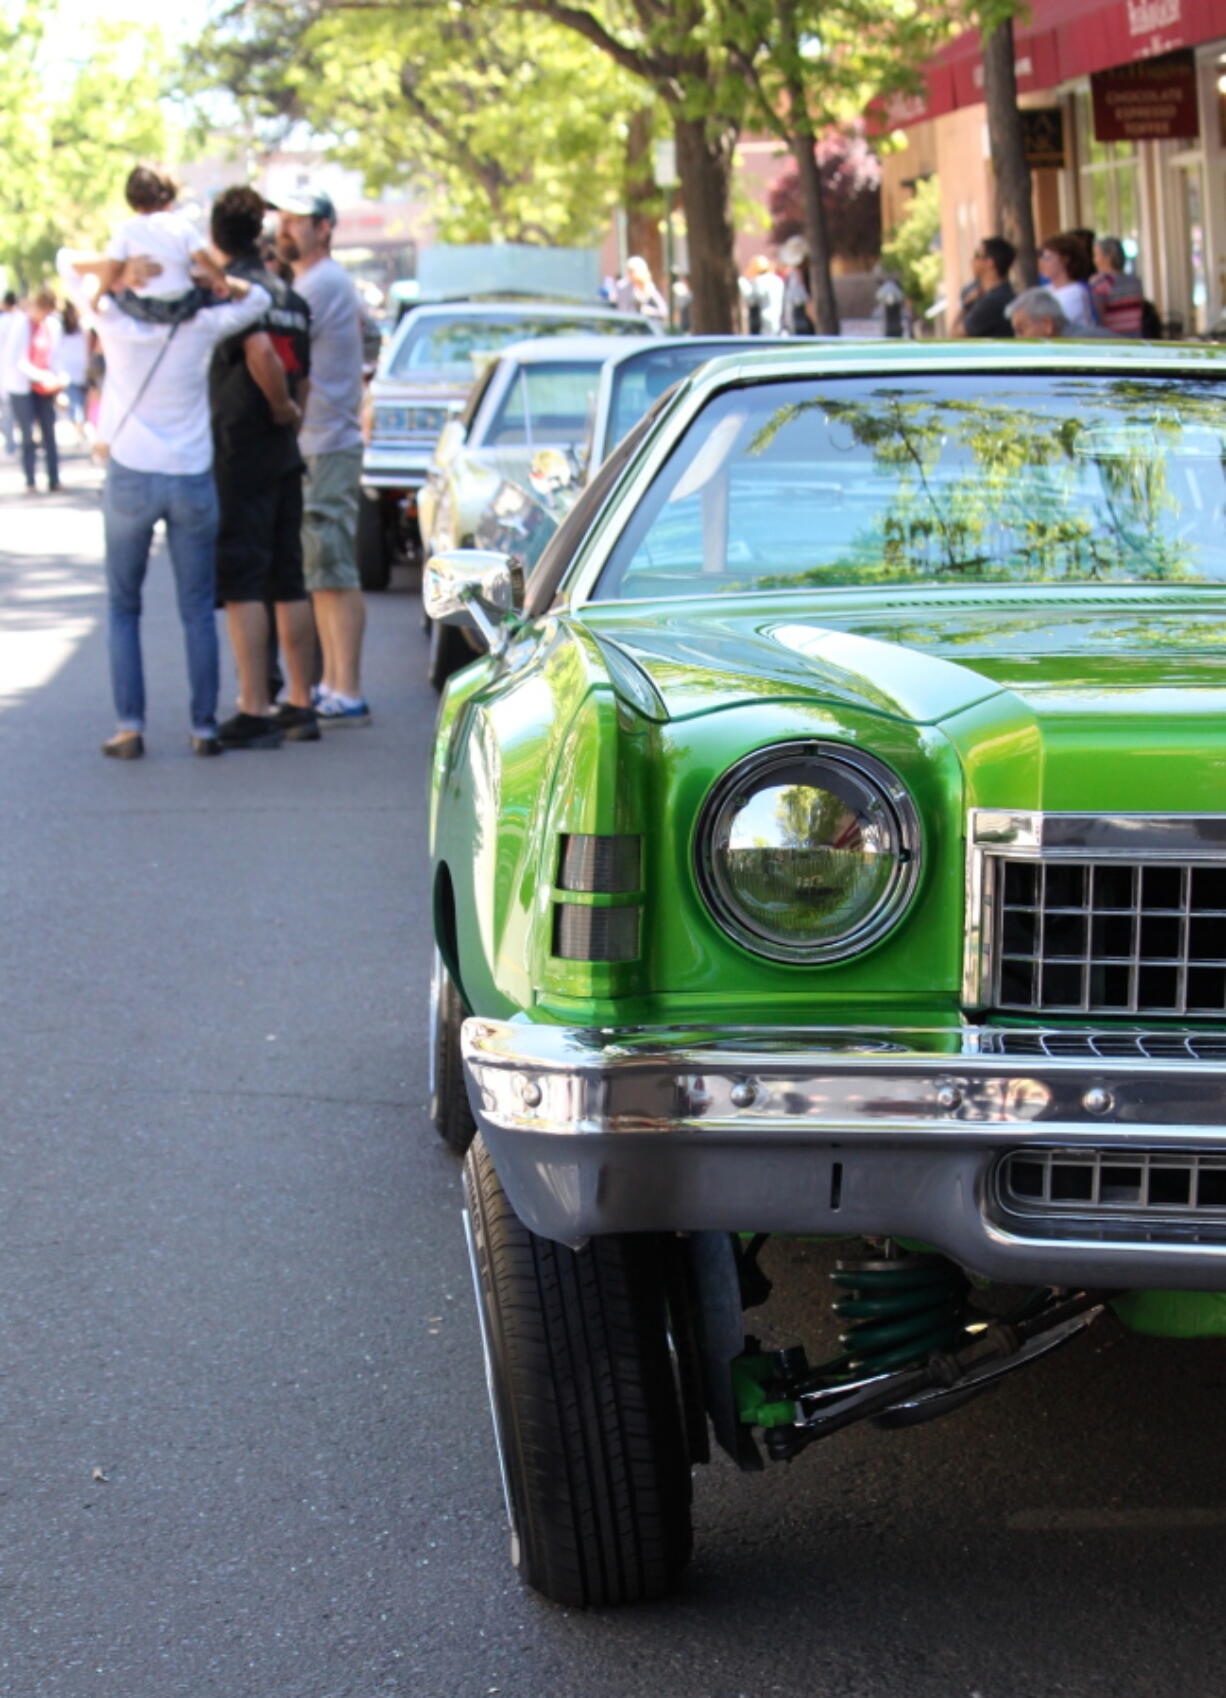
[244, 1450]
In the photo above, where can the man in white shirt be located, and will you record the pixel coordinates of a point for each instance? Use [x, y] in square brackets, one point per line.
[154, 419]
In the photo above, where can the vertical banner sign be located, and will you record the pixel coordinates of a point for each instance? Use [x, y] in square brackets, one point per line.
[1151, 100]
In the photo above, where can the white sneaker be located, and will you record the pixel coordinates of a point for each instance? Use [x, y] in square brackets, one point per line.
[338, 710]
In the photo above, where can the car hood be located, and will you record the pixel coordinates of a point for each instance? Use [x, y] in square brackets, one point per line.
[924, 658]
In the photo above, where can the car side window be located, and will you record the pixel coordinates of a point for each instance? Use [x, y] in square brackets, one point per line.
[547, 406]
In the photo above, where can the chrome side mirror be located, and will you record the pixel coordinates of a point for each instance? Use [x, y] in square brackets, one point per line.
[472, 587]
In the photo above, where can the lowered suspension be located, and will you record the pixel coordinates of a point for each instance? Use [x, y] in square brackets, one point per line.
[913, 1348]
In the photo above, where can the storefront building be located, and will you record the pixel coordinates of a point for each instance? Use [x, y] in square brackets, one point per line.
[1125, 105]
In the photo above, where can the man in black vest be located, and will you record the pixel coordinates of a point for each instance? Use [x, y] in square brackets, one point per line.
[257, 390]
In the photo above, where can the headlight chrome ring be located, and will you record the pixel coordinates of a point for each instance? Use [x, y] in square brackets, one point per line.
[808, 851]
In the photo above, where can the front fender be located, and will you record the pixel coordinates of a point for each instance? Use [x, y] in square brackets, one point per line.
[526, 749]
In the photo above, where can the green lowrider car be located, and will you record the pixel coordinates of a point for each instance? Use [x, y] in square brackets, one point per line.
[832, 843]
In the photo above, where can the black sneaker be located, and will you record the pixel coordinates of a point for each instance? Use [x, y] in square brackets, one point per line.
[300, 724]
[207, 746]
[249, 731]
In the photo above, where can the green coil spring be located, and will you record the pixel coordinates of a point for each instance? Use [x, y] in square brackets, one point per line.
[899, 1310]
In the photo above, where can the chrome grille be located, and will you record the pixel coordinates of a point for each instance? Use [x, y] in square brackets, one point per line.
[1121, 1045]
[1151, 1185]
[1110, 937]
[1078, 914]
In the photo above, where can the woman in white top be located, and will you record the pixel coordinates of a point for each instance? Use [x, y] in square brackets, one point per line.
[1067, 267]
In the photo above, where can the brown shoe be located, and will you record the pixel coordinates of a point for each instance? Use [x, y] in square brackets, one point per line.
[125, 746]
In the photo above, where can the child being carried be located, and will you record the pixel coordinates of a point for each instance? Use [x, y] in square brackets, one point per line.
[177, 275]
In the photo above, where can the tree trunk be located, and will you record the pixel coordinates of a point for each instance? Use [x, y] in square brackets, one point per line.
[642, 196]
[704, 165]
[821, 286]
[1014, 207]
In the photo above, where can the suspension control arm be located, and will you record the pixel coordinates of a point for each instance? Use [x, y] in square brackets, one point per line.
[946, 1377]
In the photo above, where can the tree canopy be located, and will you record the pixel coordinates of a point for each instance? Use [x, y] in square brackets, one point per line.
[71, 127]
[514, 107]
[548, 87]
[515, 127]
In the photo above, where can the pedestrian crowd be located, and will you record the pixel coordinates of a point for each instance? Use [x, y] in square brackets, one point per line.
[221, 383]
[1085, 290]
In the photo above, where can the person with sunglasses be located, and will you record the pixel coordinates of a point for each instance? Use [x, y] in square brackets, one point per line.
[985, 313]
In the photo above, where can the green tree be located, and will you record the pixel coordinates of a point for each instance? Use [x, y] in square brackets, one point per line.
[912, 250]
[813, 65]
[269, 53]
[517, 128]
[70, 130]
[792, 66]
[677, 48]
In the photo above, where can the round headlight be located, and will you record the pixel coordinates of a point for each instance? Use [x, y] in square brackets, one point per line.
[808, 851]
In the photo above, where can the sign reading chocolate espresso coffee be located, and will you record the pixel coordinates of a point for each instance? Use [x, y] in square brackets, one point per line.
[1151, 100]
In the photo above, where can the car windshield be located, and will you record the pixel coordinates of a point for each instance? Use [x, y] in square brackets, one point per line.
[996, 478]
[456, 347]
[547, 404]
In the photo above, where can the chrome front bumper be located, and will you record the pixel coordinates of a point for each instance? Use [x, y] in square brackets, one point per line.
[402, 469]
[848, 1131]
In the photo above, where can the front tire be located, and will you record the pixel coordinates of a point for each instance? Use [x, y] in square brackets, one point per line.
[449, 1110]
[586, 1399]
[374, 545]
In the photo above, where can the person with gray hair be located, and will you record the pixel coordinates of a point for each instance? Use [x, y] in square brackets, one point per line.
[1117, 292]
[1037, 315]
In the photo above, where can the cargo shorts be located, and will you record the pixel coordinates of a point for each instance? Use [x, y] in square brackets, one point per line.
[330, 520]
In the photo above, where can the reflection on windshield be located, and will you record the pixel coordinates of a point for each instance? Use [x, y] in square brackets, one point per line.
[1084, 479]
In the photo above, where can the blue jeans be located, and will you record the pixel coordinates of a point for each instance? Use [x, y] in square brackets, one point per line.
[30, 410]
[132, 504]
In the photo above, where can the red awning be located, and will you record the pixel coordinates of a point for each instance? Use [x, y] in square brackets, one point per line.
[1063, 39]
